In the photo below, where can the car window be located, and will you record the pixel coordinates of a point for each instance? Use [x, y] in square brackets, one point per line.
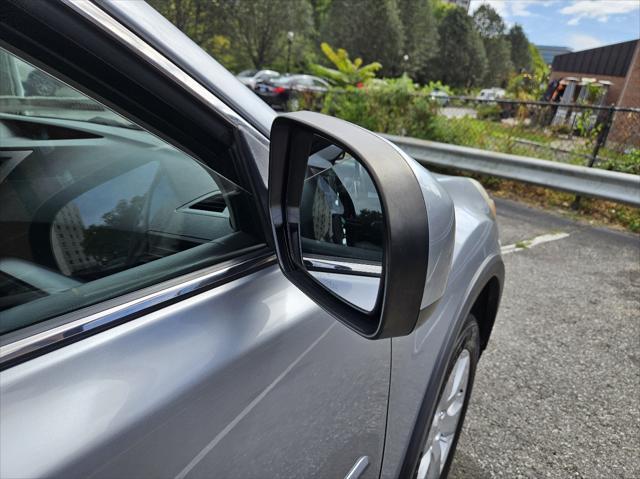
[247, 73]
[265, 75]
[304, 81]
[94, 207]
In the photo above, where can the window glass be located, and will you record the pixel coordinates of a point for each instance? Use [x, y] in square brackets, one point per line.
[341, 214]
[93, 206]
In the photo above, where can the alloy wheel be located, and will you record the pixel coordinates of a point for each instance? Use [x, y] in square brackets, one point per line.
[445, 420]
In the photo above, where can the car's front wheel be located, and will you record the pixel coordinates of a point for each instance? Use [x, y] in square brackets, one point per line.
[446, 423]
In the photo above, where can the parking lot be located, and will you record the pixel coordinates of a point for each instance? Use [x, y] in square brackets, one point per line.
[557, 392]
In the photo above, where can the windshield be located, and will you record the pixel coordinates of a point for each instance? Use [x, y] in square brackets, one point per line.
[247, 73]
[28, 91]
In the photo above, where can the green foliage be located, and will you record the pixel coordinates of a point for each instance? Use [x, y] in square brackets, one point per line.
[461, 60]
[520, 53]
[258, 28]
[440, 8]
[420, 37]
[488, 22]
[106, 242]
[196, 18]
[489, 112]
[438, 86]
[393, 106]
[320, 10]
[347, 72]
[499, 66]
[491, 28]
[540, 68]
[627, 162]
[562, 129]
[369, 29]
[523, 87]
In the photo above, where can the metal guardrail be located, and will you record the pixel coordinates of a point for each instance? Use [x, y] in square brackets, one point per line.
[594, 182]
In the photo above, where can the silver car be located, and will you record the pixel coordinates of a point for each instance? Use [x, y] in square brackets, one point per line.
[251, 78]
[192, 286]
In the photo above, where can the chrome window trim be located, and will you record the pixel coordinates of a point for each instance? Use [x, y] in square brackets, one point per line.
[107, 23]
[39, 343]
[331, 265]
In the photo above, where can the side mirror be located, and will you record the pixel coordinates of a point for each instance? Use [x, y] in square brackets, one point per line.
[349, 212]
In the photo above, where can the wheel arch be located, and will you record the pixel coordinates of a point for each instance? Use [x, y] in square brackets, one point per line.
[485, 309]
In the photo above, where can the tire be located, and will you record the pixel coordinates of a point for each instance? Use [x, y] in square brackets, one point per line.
[466, 352]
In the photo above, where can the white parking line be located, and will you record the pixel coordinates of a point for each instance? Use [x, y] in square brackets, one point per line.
[520, 245]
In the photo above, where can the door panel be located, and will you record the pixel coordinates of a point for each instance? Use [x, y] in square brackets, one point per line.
[250, 379]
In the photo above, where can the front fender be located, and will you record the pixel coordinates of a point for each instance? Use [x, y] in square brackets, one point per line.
[419, 360]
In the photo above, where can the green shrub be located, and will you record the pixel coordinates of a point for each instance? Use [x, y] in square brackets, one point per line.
[562, 129]
[394, 106]
[489, 112]
[626, 163]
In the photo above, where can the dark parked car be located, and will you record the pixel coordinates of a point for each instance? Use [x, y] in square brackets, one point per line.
[193, 286]
[285, 92]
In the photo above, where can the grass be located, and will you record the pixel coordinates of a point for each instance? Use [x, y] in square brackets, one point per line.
[503, 138]
[591, 210]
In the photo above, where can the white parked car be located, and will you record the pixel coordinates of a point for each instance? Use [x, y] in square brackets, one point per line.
[491, 94]
[440, 96]
[252, 77]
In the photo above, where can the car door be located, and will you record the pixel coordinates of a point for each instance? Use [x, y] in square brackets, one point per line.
[147, 329]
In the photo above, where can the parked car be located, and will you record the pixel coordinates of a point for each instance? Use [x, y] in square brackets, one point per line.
[284, 92]
[491, 94]
[194, 286]
[251, 77]
[442, 97]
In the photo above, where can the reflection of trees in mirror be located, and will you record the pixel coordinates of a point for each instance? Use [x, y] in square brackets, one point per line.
[365, 230]
[112, 241]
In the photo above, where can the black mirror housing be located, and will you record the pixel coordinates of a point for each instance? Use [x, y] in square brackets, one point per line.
[405, 226]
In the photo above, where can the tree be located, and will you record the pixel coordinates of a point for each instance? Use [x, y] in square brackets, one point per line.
[112, 240]
[420, 37]
[520, 54]
[499, 66]
[320, 9]
[370, 29]
[258, 28]
[196, 18]
[243, 33]
[461, 60]
[491, 27]
[488, 22]
[540, 68]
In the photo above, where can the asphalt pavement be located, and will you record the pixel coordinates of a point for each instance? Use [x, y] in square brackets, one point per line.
[557, 392]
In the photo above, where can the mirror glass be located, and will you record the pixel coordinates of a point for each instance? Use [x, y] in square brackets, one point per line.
[342, 224]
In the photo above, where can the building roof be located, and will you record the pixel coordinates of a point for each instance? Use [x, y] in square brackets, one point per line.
[613, 60]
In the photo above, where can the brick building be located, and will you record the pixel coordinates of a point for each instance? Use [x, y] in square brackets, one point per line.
[619, 64]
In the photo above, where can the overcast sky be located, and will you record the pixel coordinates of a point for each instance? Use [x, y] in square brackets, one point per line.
[577, 24]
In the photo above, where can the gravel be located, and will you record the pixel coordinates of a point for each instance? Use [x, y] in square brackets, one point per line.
[557, 392]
